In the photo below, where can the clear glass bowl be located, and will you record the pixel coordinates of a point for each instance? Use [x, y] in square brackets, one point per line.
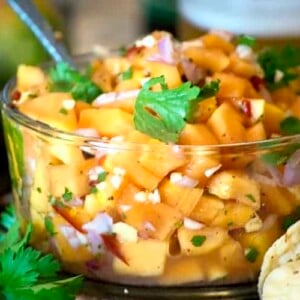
[171, 232]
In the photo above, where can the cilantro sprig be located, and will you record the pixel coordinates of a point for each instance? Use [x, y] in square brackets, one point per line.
[65, 79]
[284, 59]
[246, 40]
[26, 273]
[163, 114]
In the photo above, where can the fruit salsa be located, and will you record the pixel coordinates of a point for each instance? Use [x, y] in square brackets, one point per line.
[166, 163]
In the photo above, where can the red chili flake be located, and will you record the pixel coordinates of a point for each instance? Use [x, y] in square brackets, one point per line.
[246, 107]
[16, 95]
[257, 82]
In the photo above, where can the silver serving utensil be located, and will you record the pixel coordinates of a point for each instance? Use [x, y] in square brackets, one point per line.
[28, 13]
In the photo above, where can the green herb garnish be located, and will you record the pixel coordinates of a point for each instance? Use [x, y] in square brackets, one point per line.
[94, 190]
[49, 226]
[63, 111]
[101, 176]
[65, 79]
[291, 219]
[251, 197]
[67, 195]
[246, 40]
[26, 273]
[163, 114]
[290, 125]
[198, 240]
[284, 60]
[251, 254]
[127, 74]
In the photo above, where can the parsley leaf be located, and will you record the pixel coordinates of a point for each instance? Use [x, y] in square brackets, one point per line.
[67, 195]
[198, 240]
[127, 74]
[290, 125]
[284, 60]
[163, 114]
[251, 254]
[246, 40]
[65, 79]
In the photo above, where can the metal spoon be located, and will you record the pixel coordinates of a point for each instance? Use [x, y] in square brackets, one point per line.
[28, 13]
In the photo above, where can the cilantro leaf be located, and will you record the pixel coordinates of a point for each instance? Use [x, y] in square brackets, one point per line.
[246, 40]
[49, 226]
[290, 125]
[65, 79]
[284, 60]
[251, 254]
[198, 240]
[163, 114]
[67, 195]
[127, 74]
[7, 218]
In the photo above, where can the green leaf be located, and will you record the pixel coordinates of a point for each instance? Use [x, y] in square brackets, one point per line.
[163, 114]
[251, 254]
[290, 125]
[246, 40]
[7, 218]
[49, 226]
[67, 195]
[284, 60]
[11, 237]
[198, 240]
[65, 79]
[251, 197]
[127, 74]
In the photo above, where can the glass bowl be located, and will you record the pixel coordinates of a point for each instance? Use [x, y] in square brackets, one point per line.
[186, 220]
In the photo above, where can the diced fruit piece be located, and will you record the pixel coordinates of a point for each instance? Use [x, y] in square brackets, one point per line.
[207, 208]
[101, 76]
[157, 221]
[259, 241]
[283, 97]
[226, 124]
[128, 194]
[108, 122]
[125, 232]
[215, 271]
[30, 78]
[242, 67]
[197, 134]
[201, 167]
[277, 200]
[235, 185]
[170, 72]
[139, 175]
[144, 258]
[182, 198]
[74, 258]
[64, 177]
[161, 160]
[210, 238]
[53, 113]
[256, 133]
[205, 109]
[212, 41]
[233, 86]
[233, 215]
[180, 270]
[272, 117]
[212, 59]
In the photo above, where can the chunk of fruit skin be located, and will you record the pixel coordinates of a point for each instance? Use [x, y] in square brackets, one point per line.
[145, 258]
[237, 185]
[214, 238]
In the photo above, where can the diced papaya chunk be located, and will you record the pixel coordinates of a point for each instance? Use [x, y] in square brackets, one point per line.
[212, 59]
[226, 124]
[30, 78]
[145, 258]
[207, 209]
[272, 117]
[107, 121]
[242, 67]
[233, 215]
[182, 198]
[212, 41]
[235, 185]
[157, 221]
[64, 178]
[162, 160]
[180, 270]
[139, 175]
[283, 97]
[256, 132]
[201, 241]
[205, 109]
[197, 134]
[52, 113]
[277, 200]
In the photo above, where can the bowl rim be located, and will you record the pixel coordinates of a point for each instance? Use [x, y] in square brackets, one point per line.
[45, 130]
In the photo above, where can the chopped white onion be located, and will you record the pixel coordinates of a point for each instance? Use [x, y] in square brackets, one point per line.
[113, 97]
[209, 172]
[192, 224]
[102, 223]
[183, 180]
[87, 132]
[154, 197]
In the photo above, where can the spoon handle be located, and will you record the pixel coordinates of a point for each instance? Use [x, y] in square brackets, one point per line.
[28, 13]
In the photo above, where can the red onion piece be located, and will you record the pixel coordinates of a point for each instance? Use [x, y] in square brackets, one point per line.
[192, 72]
[291, 173]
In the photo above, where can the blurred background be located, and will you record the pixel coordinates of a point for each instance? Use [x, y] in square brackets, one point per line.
[84, 24]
